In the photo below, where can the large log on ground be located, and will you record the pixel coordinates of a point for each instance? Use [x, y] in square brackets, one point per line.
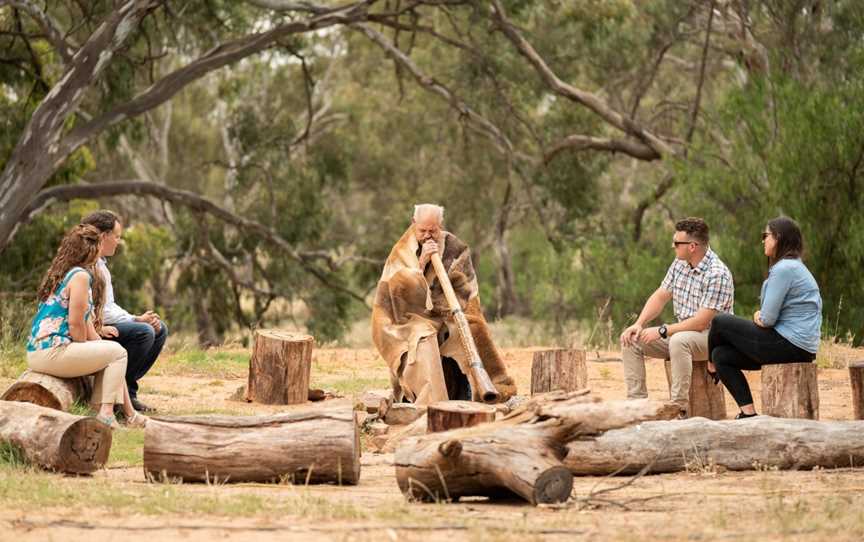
[447, 415]
[790, 390]
[553, 370]
[697, 443]
[707, 399]
[49, 391]
[55, 440]
[856, 379]
[520, 454]
[279, 367]
[314, 446]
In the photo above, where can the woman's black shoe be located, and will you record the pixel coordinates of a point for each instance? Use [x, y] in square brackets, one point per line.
[741, 415]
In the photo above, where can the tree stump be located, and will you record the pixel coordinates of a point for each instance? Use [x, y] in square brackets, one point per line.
[55, 440]
[520, 454]
[790, 390]
[279, 367]
[856, 378]
[315, 446]
[403, 413]
[707, 399]
[560, 369]
[446, 415]
[699, 444]
[49, 391]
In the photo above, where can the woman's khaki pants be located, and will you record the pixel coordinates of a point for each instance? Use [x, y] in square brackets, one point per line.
[107, 359]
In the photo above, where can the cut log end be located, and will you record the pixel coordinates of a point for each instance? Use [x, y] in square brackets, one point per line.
[85, 446]
[553, 486]
[30, 392]
[446, 415]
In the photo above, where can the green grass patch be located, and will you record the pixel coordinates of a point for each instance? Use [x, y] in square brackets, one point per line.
[212, 363]
[13, 358]
[352, 385]
[12, 456]
[127, 448]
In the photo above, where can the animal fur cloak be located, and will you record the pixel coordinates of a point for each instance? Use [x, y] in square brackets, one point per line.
[410, 305]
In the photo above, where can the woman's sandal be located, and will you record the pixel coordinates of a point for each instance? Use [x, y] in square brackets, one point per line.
[741, 415]
[137, 420]
[109, 420]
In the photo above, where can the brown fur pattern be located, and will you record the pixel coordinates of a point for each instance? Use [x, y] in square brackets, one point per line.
[407, 309]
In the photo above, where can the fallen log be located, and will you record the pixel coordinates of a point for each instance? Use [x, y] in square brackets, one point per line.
[49, 391]
[697, 443]
[314, 446]
[55, 440]
[520, 454]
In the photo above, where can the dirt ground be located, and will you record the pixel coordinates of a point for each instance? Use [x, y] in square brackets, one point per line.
[699, 505]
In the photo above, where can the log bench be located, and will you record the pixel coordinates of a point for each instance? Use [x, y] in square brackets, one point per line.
[790, 390]
[49, 391]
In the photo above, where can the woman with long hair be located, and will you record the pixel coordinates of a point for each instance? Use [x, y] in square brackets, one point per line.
[786, 328]
[63, 339]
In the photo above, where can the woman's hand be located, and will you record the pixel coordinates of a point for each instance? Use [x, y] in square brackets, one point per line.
[757, 319]
[108, 331]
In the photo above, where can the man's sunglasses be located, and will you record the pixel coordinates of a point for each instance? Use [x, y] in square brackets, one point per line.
[676, 243]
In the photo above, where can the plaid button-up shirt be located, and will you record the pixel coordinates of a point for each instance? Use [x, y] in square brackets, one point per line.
[708, 285]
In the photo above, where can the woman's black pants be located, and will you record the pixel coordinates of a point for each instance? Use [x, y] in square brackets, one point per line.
[735, 344]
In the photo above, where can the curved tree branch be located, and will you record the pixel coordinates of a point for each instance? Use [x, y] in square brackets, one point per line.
[588, 99]
[194, 202]
[582, 142]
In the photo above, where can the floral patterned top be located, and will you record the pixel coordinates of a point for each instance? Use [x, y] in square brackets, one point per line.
[50, 327]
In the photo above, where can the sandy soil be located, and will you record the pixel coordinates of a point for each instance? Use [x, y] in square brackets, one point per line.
[759, 505]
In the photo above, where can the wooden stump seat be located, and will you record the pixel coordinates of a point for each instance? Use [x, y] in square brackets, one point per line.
[706, 398]
[856, 379]
[280, 367]
[790, 390]
[559, 369]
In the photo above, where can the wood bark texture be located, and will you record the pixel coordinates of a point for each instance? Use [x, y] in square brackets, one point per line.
[697, 443]
[553, 370]
[520, 454]
[447, 415]
[315, 446]
[279, 368]
[49, 391]
[707, 399]
[856, 379]
[790, 390]
[55, 440]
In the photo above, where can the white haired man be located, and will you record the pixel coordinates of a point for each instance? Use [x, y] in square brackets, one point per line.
[411, 317]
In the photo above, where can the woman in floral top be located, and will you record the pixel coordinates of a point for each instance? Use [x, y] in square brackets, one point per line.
[63, 338]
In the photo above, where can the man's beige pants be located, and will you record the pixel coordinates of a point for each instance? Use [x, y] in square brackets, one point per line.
[681, 348]
[105, 358]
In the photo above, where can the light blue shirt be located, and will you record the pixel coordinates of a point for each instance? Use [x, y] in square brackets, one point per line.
[791, 304]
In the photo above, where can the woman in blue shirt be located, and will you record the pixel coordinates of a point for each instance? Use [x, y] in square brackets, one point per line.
[786, 328]
[63, 339]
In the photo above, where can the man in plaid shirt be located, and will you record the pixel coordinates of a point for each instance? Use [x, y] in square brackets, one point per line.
[700, 286]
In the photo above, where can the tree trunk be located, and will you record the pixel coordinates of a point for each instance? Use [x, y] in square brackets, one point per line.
[706, 398]
[55, 440]
[279, 367]
[520, 454]
[697, 444]
[790, 390]
[447, 415]
[49, 391]
[314, 446]
[553, 370]
[856, 379]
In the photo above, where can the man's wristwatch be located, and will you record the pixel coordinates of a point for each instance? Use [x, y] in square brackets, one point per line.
[663, 331]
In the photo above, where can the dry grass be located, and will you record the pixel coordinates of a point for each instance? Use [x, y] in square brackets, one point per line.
[701, 504]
